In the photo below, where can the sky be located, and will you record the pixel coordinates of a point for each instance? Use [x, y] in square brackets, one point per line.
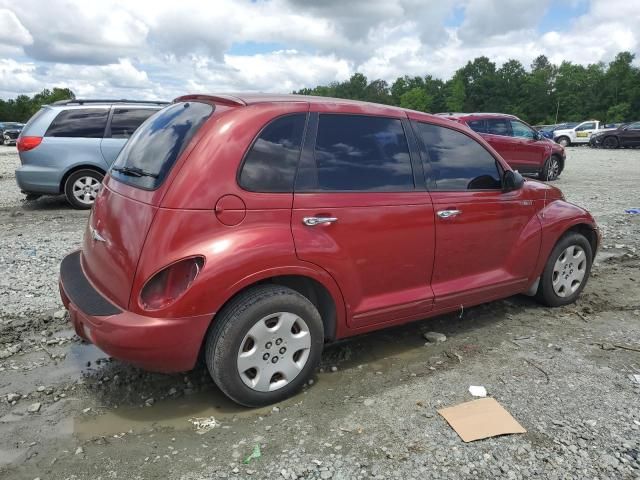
[140, 49]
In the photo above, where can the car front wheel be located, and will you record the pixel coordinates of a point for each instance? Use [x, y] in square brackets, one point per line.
[564, 141]
[264, 345]
[566, 271]
[82, 188]
[610, 142]
[551, 169]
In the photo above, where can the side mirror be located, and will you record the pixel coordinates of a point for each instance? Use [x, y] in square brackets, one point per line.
[537, 135]
[512, 180]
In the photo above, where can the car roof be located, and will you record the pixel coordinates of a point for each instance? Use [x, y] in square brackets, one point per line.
[88, 103]
[475, 115]
[245, 99]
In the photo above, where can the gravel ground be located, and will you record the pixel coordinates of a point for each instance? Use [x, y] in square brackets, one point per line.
[68, 411]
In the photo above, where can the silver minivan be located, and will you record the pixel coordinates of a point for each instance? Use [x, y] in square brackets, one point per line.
[67, 147]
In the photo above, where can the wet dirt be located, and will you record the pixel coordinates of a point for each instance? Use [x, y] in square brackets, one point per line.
[561, 372]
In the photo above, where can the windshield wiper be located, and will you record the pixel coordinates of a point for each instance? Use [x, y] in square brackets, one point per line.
[134, 172]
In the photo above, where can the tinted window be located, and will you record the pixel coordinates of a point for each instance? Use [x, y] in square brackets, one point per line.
[270, 165]
[634, 126]
[156, 145]
[498, 126]
[478, 126]
[125, 121]
[360, 153]
[521, 130]
[81, 122]
[458, 162]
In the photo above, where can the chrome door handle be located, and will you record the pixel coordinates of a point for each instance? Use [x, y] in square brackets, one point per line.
[448, 213]
[313, 221]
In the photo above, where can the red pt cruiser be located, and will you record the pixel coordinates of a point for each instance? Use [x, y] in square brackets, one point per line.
[252, 229]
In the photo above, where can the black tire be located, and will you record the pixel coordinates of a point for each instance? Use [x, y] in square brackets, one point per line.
[70, 187]
[551, 170]
[232, 324]
[546, 293]
[610, 142]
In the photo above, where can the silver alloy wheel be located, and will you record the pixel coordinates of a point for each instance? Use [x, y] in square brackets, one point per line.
[569, 271]
[563, 141]
[86, 189]
[274, 351]
[554, 169]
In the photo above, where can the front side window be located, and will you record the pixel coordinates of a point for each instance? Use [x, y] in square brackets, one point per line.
[125, 121]
[521, 130]
[359, 153]
[633, 126]
[499, 126]
[79, 122]
[457, 161]
[586, 126]
[154, 147]
[270, 165]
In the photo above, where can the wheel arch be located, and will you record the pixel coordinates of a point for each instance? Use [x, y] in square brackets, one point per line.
[76, 168]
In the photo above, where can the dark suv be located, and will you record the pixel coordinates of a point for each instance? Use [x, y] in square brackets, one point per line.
[520, 145]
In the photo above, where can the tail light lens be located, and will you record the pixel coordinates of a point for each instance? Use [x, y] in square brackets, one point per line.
[166, 286]
[28, 143]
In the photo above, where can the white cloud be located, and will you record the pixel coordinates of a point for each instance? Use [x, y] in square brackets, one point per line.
[162, 48]
[12, 32]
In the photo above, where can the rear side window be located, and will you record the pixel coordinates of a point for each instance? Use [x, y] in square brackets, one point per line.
[154, 147]
[478, 126]
[359, 153]
[498, 126]
[81, 122]
[125, 121]
[270, 165]
[458, 162]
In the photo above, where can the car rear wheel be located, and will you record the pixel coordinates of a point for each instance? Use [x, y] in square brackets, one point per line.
[610, 142]
[551, 170]
[566, 272]
[564, 141]
[82, 188]
[264, 345]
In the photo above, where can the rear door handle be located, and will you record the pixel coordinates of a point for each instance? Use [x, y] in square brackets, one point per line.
[313, 221]
[448, 213]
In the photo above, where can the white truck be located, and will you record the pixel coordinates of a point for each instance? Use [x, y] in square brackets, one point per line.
[580, 134]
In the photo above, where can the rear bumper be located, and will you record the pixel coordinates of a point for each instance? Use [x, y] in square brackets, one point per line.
[37, 179]
[156, 344]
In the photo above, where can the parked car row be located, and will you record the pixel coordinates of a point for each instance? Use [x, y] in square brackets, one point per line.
[250, 230]
[69, 146]
[520, 145]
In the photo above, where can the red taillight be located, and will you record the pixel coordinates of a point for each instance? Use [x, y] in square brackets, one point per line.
[28, 143]
[169, 284]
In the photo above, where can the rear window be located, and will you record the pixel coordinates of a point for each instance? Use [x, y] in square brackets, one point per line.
[125, 121]
[84, 122]
[153, 149]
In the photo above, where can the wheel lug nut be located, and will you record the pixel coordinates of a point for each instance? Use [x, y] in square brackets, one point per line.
[274, 359]
[282, 350]
[265, 356]
[278, 341]
[268, 345]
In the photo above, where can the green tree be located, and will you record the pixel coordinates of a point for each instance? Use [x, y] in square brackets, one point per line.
[416, 99]
[23, 107]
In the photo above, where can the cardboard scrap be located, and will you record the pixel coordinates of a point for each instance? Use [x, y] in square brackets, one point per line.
[478, 419]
